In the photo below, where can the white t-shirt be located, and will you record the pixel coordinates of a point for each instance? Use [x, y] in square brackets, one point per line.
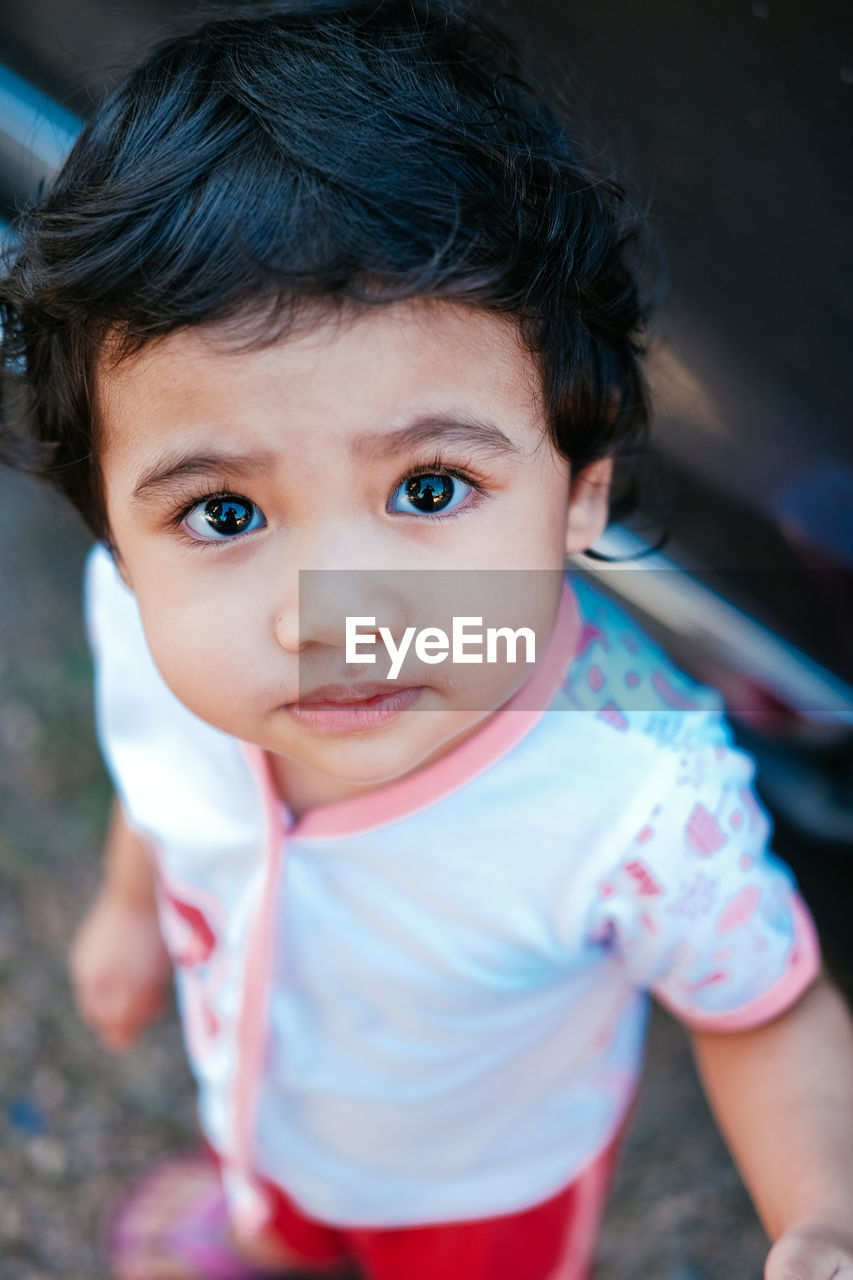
[427, 1004]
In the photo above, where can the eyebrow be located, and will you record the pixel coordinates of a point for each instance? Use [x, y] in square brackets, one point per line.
[452, 429]
[170, 468]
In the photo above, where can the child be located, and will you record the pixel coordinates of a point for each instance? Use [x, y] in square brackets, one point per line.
[326, 286]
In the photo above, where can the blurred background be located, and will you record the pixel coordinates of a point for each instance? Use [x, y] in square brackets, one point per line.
[730, 121]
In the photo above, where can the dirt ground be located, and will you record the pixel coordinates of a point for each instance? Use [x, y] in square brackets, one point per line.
[76, 1124]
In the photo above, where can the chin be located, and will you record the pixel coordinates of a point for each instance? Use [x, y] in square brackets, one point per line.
[368, 763]
[370, 772]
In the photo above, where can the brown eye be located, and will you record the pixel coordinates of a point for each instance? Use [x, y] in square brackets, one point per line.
[429, 494]
[225, 517]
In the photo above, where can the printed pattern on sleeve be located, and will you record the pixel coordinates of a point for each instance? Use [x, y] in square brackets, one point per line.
[630, 683]
[699, 909]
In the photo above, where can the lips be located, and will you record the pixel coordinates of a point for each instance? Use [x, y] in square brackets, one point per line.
[346, 694]
[352, 708]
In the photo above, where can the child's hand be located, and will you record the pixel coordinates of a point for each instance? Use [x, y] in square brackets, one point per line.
[813, 1251]
[119, 969]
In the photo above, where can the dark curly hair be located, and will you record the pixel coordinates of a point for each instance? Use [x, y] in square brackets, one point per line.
[334, 153]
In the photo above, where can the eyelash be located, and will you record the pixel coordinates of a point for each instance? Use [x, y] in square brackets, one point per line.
[436, 466]
[189, 499]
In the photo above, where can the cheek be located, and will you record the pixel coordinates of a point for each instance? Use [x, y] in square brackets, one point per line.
[522, 537]
[529, 531]
[206, 648]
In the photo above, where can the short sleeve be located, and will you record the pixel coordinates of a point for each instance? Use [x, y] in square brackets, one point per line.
[697, 907]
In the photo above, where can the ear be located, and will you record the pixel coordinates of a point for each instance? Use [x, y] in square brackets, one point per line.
[589, 494]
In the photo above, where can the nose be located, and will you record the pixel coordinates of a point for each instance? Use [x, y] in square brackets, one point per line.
[287, 626]
[315, 602]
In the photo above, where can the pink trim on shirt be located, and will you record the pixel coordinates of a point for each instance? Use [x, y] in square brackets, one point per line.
[499, 735]
[803, 968]
[253, 1024]
[590, 1200]
[591, 1186]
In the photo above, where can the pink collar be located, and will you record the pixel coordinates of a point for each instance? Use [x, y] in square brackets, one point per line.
[499, 735]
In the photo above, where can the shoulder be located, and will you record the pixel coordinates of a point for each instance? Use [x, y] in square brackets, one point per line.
[698, 797]
[621, 675]
[626, 737]
[634, 728]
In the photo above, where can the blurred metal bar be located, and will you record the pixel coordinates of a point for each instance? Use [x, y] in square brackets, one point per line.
[678, 602]
[35, 136]
[34, 121]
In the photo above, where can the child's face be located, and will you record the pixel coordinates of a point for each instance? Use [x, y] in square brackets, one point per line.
[228, 471]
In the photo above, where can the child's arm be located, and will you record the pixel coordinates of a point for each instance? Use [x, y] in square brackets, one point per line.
[119, 965]
[782, 1094]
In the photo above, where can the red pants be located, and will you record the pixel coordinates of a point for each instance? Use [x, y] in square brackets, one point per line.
[554, 1240]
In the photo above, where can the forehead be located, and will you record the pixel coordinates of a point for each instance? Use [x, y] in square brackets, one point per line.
[335, 378]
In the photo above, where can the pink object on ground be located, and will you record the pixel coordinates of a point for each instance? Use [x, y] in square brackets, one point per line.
[173, 1225]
